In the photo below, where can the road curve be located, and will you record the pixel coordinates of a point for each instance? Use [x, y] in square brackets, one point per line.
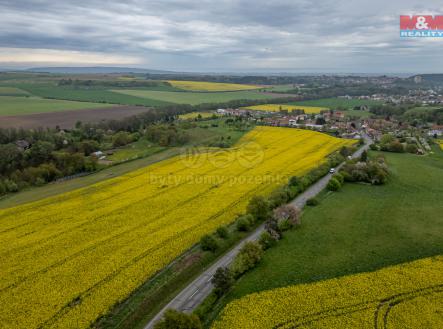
[194, 294]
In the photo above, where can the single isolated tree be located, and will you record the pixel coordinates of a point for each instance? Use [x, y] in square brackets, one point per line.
[209, 243]
[271, 226]
[364, 156]
[248, 257]
[222, 280]
[258, 207]
[333, 185]
[222, 232]
[289, 213]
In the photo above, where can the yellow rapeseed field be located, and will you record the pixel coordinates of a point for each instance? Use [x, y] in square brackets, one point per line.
[402, 296]
[289, 108]
[210, 86]
[66, 260]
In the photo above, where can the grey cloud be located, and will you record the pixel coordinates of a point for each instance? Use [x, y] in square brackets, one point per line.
[226, 34]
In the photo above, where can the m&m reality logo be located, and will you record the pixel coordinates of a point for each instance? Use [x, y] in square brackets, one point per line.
[421, 26]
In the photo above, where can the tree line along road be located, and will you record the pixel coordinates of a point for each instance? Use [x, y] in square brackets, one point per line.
[194, 294]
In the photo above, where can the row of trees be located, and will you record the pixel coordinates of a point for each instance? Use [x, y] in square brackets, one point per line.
[38, 165]
[249, 256]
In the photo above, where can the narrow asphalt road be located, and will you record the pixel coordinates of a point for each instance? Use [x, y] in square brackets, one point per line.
[194, 294]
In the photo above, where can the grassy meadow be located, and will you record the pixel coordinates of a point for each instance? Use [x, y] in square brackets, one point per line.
[360, 228]
[140, 149]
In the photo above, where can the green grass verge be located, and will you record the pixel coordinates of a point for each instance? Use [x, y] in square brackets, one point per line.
[360, 228]
[140, 149]
[29, 105]
[193, 98]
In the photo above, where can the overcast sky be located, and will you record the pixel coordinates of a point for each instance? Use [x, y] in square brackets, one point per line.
[231, 36]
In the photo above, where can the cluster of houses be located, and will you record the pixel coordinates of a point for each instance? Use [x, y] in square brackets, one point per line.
[330, 121]
[375, 128]
[424, 97]
[325, 121]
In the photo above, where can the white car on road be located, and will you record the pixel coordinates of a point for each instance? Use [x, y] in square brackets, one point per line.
[332, 170]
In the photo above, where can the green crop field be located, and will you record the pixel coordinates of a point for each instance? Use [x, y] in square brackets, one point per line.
[360, 228]
[193, 98]
[421, 109]
[280, 88]
[11, 91]
[337, 102]
[96, 95]
[29, 105]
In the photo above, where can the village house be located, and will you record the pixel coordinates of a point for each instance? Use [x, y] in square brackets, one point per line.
[277, 121]
[436, 130]
[301, 117]
[328, 116]
[338, 115]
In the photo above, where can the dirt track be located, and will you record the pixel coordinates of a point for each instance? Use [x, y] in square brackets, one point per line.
[67, 119]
